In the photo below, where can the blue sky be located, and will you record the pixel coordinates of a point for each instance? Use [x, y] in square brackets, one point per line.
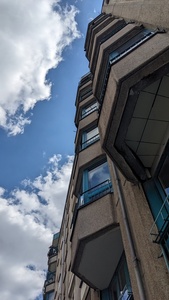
[42, 57]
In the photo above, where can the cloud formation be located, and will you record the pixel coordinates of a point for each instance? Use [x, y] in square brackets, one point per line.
[33, 35]
[28, 218]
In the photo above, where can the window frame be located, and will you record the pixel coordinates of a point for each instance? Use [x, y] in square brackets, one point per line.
[85, 141]
[91, 193]
[88, 109]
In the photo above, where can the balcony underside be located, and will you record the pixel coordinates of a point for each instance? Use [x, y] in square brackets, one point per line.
[96, 243]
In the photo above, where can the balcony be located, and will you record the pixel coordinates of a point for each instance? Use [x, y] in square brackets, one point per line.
[49, 284]
[96, 238]
[102, 36]
[134, 120]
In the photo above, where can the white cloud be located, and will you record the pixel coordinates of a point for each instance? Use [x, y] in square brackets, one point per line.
[33, 35]
[28, 218]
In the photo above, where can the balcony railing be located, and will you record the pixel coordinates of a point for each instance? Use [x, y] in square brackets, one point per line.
[89, 111]
[90, 141]
[86, 95]
[50, 278]
[160, 227]
[95, 192]
[87, 77]
[122, 51]
[52, 251]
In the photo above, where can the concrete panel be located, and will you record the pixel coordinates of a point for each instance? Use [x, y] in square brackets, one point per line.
[152, 13]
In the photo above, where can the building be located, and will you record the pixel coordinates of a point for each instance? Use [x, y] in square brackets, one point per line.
[114, 237]
[49, 284]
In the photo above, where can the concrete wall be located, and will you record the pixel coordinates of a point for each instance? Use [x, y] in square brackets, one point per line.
[153, 13]
[153, 269]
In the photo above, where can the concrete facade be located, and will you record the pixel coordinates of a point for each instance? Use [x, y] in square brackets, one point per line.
[114, 237]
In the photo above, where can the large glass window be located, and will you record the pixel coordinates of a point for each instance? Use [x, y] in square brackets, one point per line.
[89, 137]
[130, 45]
[89, 109]
[96, 183]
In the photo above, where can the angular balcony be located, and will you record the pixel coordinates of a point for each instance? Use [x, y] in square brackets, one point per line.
[96, 238]
[134, 119]
[99, 20]
[102, 36]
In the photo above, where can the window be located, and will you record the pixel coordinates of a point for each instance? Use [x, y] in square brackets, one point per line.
[89, 109]
[96, 183]
[89, 137]
[86, 94]
[130, 45]
[120, 287]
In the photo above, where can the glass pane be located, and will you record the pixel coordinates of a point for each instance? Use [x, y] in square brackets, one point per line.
[98, 175]
[91, 133]
[130, 43]
[87, 110]
[164, 175]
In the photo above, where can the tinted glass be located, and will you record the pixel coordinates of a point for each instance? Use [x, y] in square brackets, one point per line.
[98, 175]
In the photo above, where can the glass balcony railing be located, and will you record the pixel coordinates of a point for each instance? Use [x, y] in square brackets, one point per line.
[160, 227]
[95, 192]
[122, 51]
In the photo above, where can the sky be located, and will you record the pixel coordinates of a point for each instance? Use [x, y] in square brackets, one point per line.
[42, 59]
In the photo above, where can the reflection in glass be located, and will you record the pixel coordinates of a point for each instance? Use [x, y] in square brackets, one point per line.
[98, 175]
